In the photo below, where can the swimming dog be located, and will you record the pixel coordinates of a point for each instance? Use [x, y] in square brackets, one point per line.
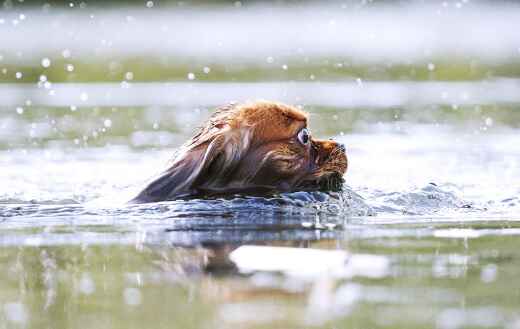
[250, 148]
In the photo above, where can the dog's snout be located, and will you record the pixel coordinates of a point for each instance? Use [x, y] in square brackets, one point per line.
[342, 147]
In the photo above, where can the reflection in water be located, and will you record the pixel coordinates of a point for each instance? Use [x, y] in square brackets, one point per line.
[390, 94]
[295, 276]
[295, 262]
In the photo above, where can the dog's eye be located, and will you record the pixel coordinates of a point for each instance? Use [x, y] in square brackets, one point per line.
[304, 136]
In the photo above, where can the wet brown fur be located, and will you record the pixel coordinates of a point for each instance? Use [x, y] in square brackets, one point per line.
[250, 148]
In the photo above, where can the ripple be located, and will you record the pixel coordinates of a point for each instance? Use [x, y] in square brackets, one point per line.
[429, 199]
[312, 210]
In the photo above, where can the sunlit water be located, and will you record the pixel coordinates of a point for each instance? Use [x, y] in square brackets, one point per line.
[427, 227]
[424, 234]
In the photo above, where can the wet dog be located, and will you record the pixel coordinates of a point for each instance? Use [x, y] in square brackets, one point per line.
[251, 148]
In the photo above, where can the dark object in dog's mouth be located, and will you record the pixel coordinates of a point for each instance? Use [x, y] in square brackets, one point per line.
[332, 182]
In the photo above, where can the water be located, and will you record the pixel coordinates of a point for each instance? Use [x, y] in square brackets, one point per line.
[424, 234]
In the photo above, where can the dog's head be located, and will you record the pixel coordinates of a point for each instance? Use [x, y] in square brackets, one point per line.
[256, 147]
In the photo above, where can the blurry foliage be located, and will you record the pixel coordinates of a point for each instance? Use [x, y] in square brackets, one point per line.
[172, 69]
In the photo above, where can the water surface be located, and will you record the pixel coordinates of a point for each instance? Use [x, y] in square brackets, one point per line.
[424, 234]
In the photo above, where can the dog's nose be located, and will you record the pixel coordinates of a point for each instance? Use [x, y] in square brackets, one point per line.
[342, 147]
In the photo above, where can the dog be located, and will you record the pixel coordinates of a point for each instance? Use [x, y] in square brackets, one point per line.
[251, 148]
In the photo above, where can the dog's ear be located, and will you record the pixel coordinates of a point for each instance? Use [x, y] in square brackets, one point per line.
[210, 156]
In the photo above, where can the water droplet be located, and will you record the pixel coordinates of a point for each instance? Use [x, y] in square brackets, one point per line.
[149, 4]
[19, 110]
[489, 122]
[15, 312]
[270, 59]
[43, 78]
[132, 296]
[73, 108]
[129, 75]
[206, 69]
[46, 62]
[70, 67]
[107, 123]
[21, 17]
[488, 273]
[65, 53]
[431, 66]
[19, 75]
[191, 76]
[86, 284]
[83, 96]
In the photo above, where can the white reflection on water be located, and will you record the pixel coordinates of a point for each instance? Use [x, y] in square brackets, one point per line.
[341, 94]
[322, 268]
[397, 33]
[16, 312]
[483, 317]
[254, 312]
[292, 261]
[489, 273]
[132, 296]
[86, 284]
[295, 262]
[456, 233]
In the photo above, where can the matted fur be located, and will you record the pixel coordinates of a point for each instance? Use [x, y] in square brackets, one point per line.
[250, 148]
